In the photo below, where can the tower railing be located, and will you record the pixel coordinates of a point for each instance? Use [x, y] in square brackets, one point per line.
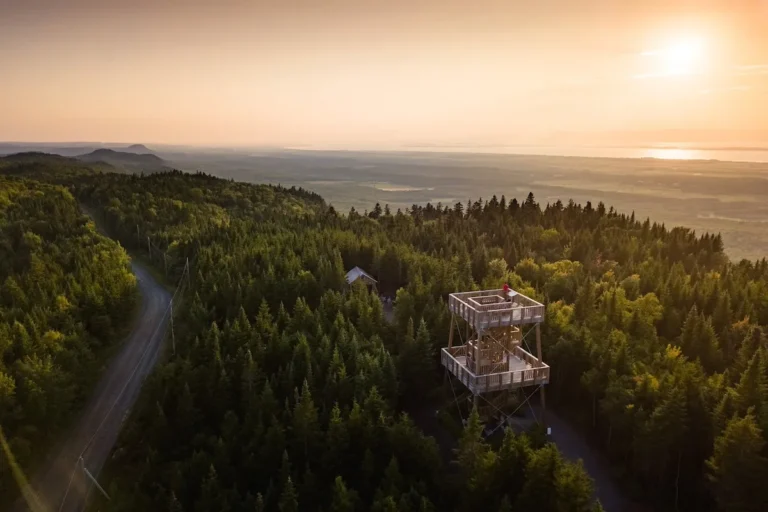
[538, 373]
[488, 308]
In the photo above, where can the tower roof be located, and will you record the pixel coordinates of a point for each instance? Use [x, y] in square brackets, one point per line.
[356, 273]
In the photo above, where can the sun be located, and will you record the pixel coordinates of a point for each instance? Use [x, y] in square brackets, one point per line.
[683, 57]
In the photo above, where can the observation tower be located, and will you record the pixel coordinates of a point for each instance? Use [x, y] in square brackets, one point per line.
[490, 361]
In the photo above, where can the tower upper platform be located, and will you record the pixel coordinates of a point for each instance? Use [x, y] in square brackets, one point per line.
[486, 309]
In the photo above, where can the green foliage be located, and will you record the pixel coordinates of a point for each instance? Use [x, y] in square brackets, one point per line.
[737, 467]
[289, 386]
[636, 334]
[65, 293]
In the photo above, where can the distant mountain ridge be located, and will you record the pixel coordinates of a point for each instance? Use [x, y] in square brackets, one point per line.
[135, 148]
[69, 149]
[49, 166]
[129, 161]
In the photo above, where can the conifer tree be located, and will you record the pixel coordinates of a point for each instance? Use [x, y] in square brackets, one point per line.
[737, 467]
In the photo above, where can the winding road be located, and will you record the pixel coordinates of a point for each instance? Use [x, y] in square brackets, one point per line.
[61, 483]
[573, 447]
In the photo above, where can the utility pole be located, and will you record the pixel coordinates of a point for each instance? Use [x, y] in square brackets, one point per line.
[186, 267]
[165, 263]
[149, 248]
[138, 235]
[93, 479]
[173, 336]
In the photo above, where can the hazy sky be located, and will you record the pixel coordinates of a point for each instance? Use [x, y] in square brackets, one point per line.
[382, 73]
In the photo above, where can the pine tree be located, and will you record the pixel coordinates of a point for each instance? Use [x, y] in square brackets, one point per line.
[540, 488]
[574, 487]
[513, 455]
[285, 469]
[476, 461]
[690, 328]
[248, 381]
[173, 504]
[210, 492]
[749, 346]
[308, 490]
[751, 390]
[259, 503]
[343, 500]
[392, 482]
[710, 354]
[585, 302]
[737, 468]
[424, 350]
[288, 500]
[387, 504]
[337, 442]
[721, 317]
[305, 422]
[666, 431]
[725, 410]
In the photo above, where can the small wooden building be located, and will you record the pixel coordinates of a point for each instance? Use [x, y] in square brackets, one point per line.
[358, 274]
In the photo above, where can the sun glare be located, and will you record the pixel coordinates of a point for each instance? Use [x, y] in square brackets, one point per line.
[671, 154]
[685, 57]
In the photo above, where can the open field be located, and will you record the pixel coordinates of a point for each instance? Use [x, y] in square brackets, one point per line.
[705, 195]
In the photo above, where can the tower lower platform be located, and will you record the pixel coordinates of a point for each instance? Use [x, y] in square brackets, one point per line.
[516, 369]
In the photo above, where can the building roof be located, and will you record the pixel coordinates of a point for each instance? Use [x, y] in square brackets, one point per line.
[356, 273]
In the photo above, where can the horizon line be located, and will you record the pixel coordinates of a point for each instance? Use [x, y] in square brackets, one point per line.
[691, 146]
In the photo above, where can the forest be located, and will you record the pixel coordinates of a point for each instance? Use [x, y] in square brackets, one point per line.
[65, 294]
[290, 392]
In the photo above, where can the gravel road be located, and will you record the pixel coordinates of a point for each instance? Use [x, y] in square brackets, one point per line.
[61, 484]
[573, 446]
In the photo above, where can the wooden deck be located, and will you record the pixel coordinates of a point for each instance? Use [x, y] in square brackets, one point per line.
[522, 369]
[486, 309]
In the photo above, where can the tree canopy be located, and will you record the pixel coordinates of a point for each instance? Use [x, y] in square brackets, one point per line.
[288, 390]
[65, 294]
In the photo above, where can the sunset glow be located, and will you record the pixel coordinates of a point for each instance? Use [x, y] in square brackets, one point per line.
[683, 58]
[371, 74]
[672, 154]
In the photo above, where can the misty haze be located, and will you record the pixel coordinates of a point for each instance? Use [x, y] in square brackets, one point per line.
[358, 256]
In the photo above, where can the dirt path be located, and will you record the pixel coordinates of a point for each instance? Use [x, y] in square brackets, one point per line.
[61, 485]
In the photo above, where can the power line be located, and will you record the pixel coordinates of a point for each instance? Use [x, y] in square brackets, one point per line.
[135, 369]
[92, 479]
[130, 378]
[80, 459]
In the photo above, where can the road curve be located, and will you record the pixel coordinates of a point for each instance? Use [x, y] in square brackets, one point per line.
[61, 484]
[573, 447]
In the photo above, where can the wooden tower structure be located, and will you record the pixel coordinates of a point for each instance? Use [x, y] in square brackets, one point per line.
[490, 361]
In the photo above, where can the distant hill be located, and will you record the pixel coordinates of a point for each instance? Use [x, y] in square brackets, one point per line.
[51, 167]
[63, 150]
[128, 161]
[139, 149]
[69, 149]
[33, 157]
